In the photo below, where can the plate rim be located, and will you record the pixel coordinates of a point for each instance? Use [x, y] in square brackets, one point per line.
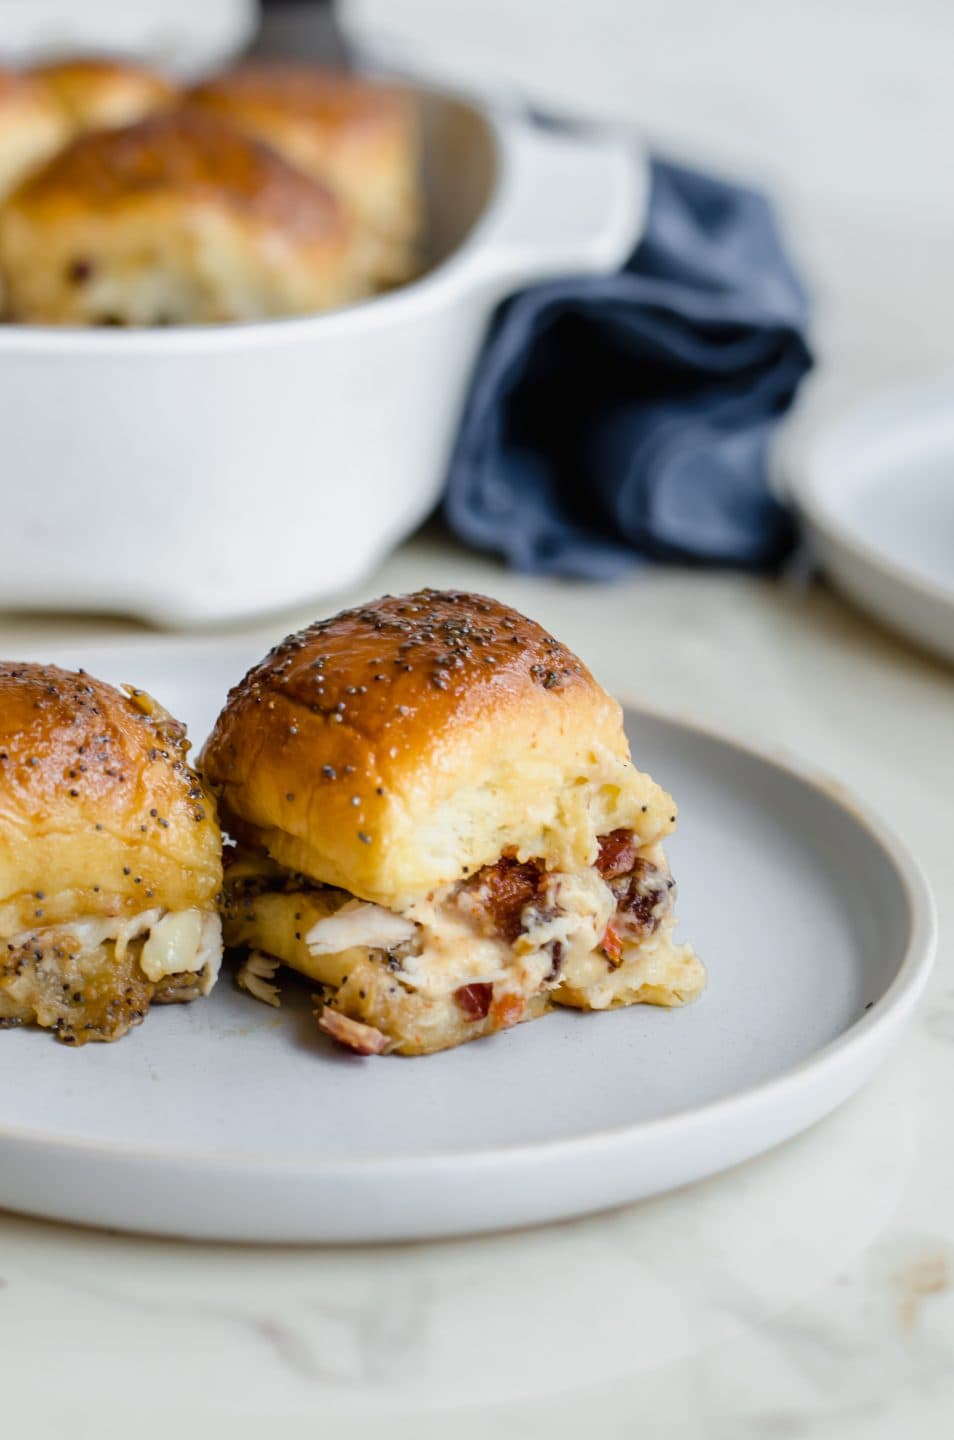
[874, 1028]
[808, 488]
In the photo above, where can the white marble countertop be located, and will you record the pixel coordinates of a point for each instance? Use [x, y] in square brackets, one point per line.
[808, 1295]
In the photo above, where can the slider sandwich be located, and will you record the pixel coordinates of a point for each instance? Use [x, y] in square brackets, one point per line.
[110, 857]
[359, 137]
[179, 219]
[438, 822]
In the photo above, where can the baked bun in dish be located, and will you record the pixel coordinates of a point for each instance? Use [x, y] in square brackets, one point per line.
[439, 822]
[358, 136]
[98, 94]
[110, 857]
[178, 219]
[32, 127]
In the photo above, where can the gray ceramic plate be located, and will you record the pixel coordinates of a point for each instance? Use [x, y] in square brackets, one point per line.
[226, 1119]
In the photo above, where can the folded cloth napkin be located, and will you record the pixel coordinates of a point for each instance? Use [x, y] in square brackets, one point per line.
[618, 417]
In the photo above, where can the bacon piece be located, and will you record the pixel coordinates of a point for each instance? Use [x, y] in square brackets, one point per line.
[611, 945]
[508, 888]
[617, 853]
[638, 899]
[507, 1010]
[475, 999]
[364, 1039]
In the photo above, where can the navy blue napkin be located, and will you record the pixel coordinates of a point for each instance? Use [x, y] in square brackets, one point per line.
[619, 417]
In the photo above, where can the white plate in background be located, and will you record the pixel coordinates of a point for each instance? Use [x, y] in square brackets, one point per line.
[876, 491]
[225, 1119]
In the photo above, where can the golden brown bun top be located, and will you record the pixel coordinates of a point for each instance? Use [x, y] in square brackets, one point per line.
[99, 812]
[386, 748]
[22, 98]
[336, 102]
[16, 87]
[187, 156]
[94, 92]
[407, 672]
[32, 128]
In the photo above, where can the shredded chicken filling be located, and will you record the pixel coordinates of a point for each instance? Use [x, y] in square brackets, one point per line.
[513, 922]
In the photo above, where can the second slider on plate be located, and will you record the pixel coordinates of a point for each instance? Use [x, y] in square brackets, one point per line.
[439, 822]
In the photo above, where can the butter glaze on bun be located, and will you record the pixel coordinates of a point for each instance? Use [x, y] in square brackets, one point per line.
[358, 136]
[110, 856]
[178, 219]
[96, 93]
[32, 127]
[440, 823]
[459, 727]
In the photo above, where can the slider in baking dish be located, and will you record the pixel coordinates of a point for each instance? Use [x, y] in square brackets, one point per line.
[97, 93]
[360, 137]
[32, 126]
[110, 857]
[179, 219]
[439, 822]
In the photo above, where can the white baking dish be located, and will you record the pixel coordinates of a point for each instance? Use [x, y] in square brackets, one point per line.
[194, 475]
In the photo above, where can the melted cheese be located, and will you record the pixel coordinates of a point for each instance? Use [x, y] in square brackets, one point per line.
[179, 942]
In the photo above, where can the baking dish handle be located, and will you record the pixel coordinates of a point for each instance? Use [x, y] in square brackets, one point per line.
[567, 202]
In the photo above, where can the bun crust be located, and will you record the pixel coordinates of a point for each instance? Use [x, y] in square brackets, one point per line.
[98, 94]
[177, 219]
[361, 138]
[32, 127]
[100, 816]
[401, 745]
[187, 156]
